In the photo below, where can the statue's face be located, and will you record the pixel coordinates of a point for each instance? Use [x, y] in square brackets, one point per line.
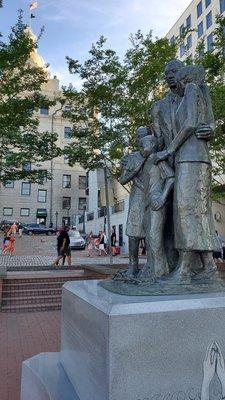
[148, 145]
[171, 71]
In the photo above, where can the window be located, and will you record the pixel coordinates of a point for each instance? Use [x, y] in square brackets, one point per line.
[42, 178]
[189, 41]
[44, 111]
[42, 196]
[82, 203]
[207, 3]
[210, 42]
[9, 184]
[188, 21]
[66, 159]
[199, 9]
[27, 166]
[30, 111]
[181, 29]
[222, 6]
[65, 221]
[24, 212]
[182, 50]
[172, 40]
[67, 132]
[66, 203]
[25, 188]
[200, 29]
[208, 19]
[82, 182]
[66, 181]
[7, 211]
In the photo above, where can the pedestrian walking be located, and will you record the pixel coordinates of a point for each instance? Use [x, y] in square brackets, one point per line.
[63, 247]
[20, 230]
[9, 243]
[14, 229]
[113, 240]
[102, 243]
[90, 241]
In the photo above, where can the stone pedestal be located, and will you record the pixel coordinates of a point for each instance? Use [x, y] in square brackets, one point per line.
[137, 348]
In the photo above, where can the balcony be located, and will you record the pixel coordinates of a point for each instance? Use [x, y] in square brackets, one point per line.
[118, 207]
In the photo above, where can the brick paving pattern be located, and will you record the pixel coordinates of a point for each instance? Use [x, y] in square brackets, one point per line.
[21, 337]
[41, 251]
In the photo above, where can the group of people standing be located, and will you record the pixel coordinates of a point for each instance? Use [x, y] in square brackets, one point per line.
[101, 243]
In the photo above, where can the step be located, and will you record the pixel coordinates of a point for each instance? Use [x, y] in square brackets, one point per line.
[31, 307]
[31, 300]
[42, 280]
[37, 285]
[34, 292]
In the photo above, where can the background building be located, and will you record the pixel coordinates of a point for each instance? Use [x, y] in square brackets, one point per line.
[201, 17]
[61, 200]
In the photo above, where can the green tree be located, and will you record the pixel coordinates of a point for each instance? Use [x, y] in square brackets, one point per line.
[214, 63]
[115, 98]
[20, 95]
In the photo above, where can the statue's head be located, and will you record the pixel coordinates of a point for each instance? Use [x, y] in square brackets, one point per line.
[190, 74]
[171, 70]
[141, 132]
[146, 141]
[148, 145]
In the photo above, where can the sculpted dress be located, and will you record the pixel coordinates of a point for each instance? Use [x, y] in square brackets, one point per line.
[193, 220]
[133, 172]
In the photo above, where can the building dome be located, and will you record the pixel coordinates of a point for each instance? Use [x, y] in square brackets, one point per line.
[35, 58]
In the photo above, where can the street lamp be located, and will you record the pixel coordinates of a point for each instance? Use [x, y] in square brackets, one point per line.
[62, 101]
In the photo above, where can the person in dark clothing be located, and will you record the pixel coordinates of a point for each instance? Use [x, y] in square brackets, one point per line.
[63, 246]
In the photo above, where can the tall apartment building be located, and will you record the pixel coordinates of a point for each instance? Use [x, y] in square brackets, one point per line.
[61, 200]
[199, 16]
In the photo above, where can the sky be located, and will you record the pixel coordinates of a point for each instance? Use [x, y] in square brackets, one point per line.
[71, 26]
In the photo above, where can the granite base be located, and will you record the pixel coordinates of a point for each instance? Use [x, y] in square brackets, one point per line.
[138, 348]
[131, 348]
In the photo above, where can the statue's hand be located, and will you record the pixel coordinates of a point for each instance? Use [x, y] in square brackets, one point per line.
[220, 367]
[157, 202]
[204, 132]
[209, 365]
[161, 155]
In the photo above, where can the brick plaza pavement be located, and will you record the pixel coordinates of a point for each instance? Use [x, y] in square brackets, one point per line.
[41, 251]
[22, 336]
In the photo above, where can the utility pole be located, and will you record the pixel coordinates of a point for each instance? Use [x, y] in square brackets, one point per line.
[84, 222]
[108, 213]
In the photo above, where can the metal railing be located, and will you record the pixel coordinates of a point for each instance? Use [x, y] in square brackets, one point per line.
[90, 216]
[102, 212]
[118, 207]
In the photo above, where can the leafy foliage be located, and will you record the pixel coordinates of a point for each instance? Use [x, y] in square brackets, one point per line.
[115, 98]
[214, 63]
[20, 95]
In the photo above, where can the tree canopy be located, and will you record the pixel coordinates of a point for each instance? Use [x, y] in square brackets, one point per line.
[214, 64]
[115, 97]
[20, 96]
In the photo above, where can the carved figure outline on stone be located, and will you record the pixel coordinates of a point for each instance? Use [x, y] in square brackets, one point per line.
[213, 364]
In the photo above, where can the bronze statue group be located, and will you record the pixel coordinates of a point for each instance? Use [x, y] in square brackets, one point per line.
[170, 200]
